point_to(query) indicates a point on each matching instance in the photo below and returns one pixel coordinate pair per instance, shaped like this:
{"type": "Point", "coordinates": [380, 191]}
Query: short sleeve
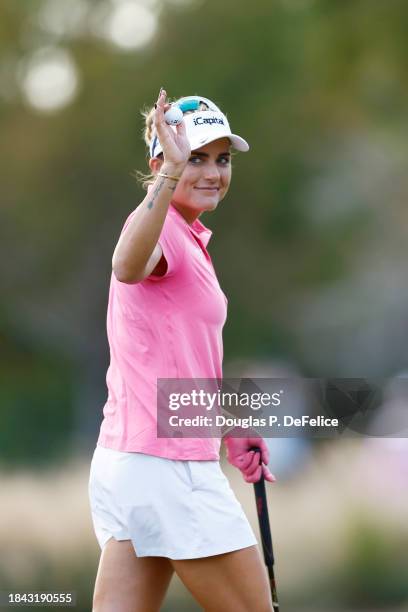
{"type": "Point", "coordinates": [172, 242]}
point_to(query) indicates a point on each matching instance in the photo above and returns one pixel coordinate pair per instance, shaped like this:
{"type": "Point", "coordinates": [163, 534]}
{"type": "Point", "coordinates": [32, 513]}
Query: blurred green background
{"type": "Point", "coordinates": [309, 246]}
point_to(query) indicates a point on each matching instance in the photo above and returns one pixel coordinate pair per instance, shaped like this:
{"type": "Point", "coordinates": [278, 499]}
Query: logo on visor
{"type": "Point", "coordinates": [209, 120]}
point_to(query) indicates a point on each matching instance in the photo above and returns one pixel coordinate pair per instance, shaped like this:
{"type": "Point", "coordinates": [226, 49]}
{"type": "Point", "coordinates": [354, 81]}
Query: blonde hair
{"type": "Point", "coordinates": [148, 132]}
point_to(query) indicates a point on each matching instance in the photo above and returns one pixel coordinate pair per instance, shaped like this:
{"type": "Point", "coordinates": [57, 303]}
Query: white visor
{"type": "Point", "coordinates": [202, 127]}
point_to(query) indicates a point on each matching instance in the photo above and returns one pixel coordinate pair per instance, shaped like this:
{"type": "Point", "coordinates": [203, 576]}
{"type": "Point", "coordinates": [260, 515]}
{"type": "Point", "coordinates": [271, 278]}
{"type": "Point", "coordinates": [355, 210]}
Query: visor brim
{"type": "Point", "coordinates": [237, 142]}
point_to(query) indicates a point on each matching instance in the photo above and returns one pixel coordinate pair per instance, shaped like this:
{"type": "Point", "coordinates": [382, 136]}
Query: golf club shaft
{"type": "Point", "coordinates": [265, 531]}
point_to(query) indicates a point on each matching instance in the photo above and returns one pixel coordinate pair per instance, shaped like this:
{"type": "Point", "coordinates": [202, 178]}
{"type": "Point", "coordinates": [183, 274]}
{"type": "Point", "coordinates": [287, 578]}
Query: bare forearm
{"type": "Point", "coordinates": [137, 243]}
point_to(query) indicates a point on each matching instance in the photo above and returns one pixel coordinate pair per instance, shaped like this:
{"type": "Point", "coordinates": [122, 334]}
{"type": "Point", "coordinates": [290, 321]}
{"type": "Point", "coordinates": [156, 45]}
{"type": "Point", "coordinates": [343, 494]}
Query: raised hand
{"type": "Point", "coordinates": [174, 141]}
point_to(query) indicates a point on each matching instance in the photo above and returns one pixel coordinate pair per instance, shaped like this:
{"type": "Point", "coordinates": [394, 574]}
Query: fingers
{"type": "Point", "coordinates": [253, 476]}
{"type": "Point", "coordinates": [254, 471]}
{"type": "Point", "coordinates": [252, 463]}
{"type": "Point", "coordinates": [181, 129]}
{"type": "Point", "coordinates": [249, 461]}
{"type": "Point", "coordinates": [263, 447]}
{"type": "Point", "coordinates": [173, 139]}
{"type": "Point", "coordinates": [160, 107]}
{"type": "Point", "coordinates": [267, 474]}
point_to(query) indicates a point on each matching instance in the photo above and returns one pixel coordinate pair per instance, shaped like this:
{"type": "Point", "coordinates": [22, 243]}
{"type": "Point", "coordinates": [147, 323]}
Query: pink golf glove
{"type": "Point", "coordinates": [240, 456]}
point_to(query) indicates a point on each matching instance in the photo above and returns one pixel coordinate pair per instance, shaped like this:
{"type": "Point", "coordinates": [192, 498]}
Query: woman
{"type": "Point", "coordinates": [163, 505]}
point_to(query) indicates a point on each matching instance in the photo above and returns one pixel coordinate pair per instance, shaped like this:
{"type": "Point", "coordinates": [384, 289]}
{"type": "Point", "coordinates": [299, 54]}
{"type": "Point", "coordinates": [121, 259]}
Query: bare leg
{"type": "Point", "coordinates": [126, 583]}
{"type": "Point", "coordinates": [232, 582]}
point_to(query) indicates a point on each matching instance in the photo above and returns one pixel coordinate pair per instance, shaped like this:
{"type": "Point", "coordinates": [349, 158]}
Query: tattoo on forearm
{"type": "Point", "coordinates": [155, 193]}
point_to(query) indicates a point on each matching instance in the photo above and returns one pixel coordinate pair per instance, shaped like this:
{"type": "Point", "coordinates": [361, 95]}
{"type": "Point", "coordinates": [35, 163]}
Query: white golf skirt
{"type": "Point", "coordinates": [167, 508]}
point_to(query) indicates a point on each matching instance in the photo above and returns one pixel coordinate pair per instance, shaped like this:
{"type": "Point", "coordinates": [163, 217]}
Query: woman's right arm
{"type": "Point", "coordinates": [138, 253]}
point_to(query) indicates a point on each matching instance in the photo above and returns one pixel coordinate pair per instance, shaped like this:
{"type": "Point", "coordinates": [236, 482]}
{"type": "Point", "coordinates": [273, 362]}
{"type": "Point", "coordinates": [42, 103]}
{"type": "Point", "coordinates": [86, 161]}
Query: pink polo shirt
{"type": "Point", "coordinates": [163, 327]}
